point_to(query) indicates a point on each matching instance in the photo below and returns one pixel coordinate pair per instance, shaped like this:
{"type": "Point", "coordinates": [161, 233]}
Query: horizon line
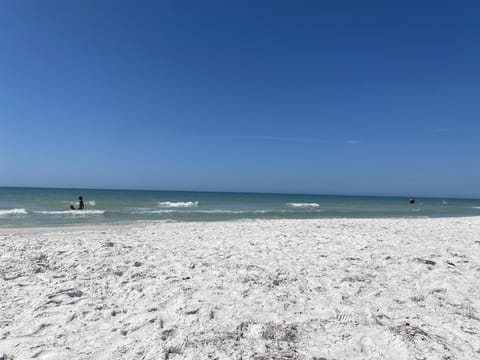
{"type": "Point", "coordinates": [242, 192]}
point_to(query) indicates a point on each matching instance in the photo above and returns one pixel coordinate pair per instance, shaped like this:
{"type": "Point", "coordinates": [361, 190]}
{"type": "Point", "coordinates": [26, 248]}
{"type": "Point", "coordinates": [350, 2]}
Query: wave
{"type": "Point", "coordinates": [216, 211]}
{"type": "Point", "coordinates": [220, 211]}
{"type": "Point", "coordinates": [8, 212]}
{"type": "Point", "coordinates": [71, 212]}
{"type": "Point", "coordinates": [149, 211]}
{"type": "Point", "coordinates": [178, 204]}
{"type": "Point", "coordinates": [303, 205]}
{"type": "Point", "coordinates": [89, 202]}
{"type": "Point", "coordinates": [476, 207]}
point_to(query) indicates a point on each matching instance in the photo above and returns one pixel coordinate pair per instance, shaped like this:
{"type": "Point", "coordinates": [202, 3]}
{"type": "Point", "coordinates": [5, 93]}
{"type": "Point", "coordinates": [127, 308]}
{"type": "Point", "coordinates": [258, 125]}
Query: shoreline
{"type": "Point", "coordinates": [140, 223]}
{"type": "Point", "coordinates": [258, 289]}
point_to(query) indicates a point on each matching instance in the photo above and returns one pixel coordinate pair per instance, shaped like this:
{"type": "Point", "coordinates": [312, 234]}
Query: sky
{"type": "Point", "coordinates": [326, 97]}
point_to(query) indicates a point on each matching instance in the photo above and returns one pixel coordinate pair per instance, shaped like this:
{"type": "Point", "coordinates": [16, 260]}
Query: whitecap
{"type": "Point", "coordinates": [220, 211]}
{"type": "Point", "coordinates": [213, 211]}
{"type": "Point", "coordinates": [89, 202]}
{"type": "Point", "coordinates": [476, 207]}
{"type": "Point", "coordinates": [154, 211]}
{"type": "Point", "coordinates": [178, 204]}
{"type": "Point", "coordinates": [300, 205]}
{"type": "Point", "coordinates": [217, 211]}
{"type": "Point", "coordinates": [71, 212]}
{"type": "Point", "coordinates": [7, 212]}
{"type": "Point", "coordinates": [246, 212]}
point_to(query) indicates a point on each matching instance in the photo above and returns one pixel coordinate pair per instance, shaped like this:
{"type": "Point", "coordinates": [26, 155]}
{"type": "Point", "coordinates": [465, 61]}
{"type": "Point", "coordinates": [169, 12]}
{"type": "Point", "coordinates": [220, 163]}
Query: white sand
{"type": "Point", "coordinates": [280, 289]}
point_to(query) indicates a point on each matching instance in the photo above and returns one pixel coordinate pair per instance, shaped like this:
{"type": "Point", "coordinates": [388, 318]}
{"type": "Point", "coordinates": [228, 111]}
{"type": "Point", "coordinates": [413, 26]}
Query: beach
{"type": "Point", "coordinates": [395, 288]}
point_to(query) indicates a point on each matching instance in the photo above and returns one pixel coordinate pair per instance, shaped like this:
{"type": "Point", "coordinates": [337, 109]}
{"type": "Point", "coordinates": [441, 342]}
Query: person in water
{"type": "Point", "coordinates": [81, 205]}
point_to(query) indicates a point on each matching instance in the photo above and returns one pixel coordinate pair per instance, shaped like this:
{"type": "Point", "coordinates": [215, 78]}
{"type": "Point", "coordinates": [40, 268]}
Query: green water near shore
{"type": "Point", "coordinates": [50, 207]}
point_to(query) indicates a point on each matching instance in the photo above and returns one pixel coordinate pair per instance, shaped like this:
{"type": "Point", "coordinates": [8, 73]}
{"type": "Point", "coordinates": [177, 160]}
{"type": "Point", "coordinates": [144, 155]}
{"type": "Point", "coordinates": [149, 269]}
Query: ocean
{"type": "Point", "coordinates": [28, 207]}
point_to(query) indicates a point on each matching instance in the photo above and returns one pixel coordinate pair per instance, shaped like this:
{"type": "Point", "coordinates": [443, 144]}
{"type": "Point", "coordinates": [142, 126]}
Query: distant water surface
{"type": "Point", "coordinates": [26, 207]}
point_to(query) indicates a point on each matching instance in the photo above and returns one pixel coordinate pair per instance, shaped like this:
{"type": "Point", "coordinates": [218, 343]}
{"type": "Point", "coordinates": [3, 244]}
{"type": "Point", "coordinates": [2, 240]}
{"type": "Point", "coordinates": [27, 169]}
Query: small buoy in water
{"type": "Point", "coordinates": [412, 201]}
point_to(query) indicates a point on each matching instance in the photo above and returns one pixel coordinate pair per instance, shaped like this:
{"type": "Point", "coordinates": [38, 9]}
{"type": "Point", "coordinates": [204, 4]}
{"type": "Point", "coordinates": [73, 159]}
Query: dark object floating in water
{"type": "Point", "coordinates": [412, 201]}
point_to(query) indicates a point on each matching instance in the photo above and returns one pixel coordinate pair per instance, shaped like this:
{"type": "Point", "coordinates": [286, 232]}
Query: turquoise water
{"type": "Point", "coordinates": [23, 207]}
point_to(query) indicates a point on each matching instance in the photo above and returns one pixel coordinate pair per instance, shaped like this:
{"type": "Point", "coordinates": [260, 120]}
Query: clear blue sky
{"type": "Point", "coordinates": [336, 97]}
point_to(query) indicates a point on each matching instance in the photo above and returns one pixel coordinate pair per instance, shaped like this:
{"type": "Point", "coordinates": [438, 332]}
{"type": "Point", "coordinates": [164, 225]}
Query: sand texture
{"type": "Point", "coordinates": [266, 289]}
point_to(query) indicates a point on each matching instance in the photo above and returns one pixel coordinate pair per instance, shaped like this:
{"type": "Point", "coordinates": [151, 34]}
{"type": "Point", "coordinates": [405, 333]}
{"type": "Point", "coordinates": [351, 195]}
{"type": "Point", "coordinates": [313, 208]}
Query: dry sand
{"type": "Point", "coordinates": [278, 289]}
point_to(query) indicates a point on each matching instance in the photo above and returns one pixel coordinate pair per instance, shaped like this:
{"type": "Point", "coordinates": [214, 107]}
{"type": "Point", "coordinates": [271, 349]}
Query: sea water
{"type": "Point", "coordinates": [26, 207]}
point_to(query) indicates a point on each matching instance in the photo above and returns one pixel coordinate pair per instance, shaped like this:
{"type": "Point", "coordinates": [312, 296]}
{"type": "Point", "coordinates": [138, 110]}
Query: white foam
{"type": "Point", "coordinates": [71, 212]}
{"type": "Point", "coordinates": [178, 204]}
{"type": "Point", "coordinates": [476, 207]}
{"type": "Point", "coordinates": [303, 204]}
{"type": "Point", "coordinates": [213, 211]}
{"type": "Point", "coordinates": [13, 212]}
{"type": "Point", "coordinates": [217, 211]}
{"type": "Point", "coordinates": [90, 202]}
{"type": "Point", "coordinates": [153, 211]}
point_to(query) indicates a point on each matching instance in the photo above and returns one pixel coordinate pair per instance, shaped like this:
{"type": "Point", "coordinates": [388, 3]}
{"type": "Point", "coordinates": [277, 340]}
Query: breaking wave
{"type": "Point", "coordinates": [215, 211]}
{"type": "Point", "coordinates": [8, 212]}
{"type": "Point", "coordinates": [304, 205]}
{"type": "Point", "coordinates": [89, 202]}
{"type": "Point", "coordinates": [178, 204]}
{"type": "Point", "coordinates": [71, 212]}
